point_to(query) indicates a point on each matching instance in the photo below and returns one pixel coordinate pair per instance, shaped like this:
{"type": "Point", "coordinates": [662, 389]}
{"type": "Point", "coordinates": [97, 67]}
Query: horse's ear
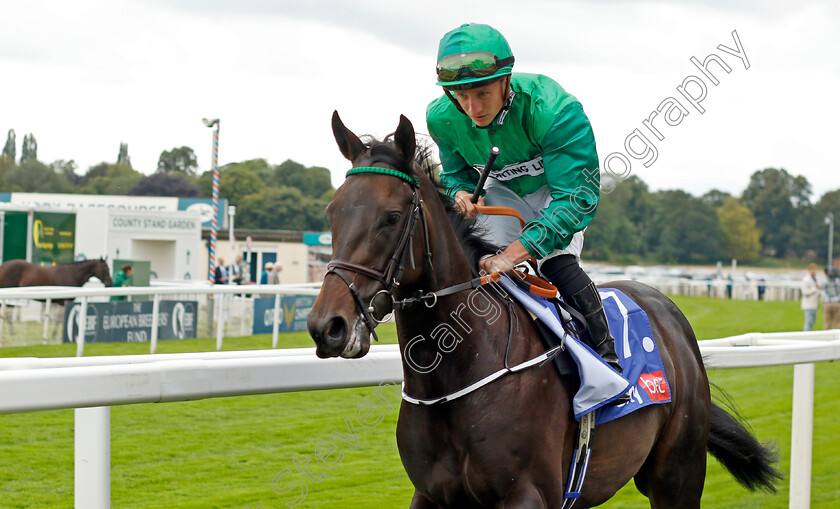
{"type": "Point", "coordinates": [349, 144]}
{"type": "Point", "coordinates": [404, 139]}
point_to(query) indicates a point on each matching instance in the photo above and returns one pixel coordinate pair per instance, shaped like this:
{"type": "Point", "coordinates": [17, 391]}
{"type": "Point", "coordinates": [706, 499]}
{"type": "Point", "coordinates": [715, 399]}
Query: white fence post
{"type": "Point", "coordinates": [275, 326]}
{"type": "Point", "coordinates": [242, 313]}
{"type": "Point", "coordinates": [802, 430]}
{"type": "Point", "coordinates": [220, 320]}
{"type": "Point", "coordinates": [155, 317]}
{"type": "Point", "coordinates": [2, 320]}
{"type": "Point", "coordinates": [82, 317]}
{"type": "Point", "coordinates": [93, 457]}
{"type": "Point", "coordinates": [46, 318]}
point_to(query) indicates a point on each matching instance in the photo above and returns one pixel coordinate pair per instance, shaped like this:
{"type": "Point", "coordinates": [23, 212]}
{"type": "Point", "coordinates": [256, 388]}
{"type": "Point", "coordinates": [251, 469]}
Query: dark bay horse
{"type": "Point", "coordinates": [22, 273]}
{"type": "Point", "coordinates": [396, 244]}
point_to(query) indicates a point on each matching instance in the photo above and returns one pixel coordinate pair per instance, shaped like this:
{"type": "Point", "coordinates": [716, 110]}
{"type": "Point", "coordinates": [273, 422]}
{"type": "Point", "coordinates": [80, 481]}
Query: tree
{"type": "Point", "coordinates": [68, 170]}
{"type": "Point", "coordinates": [620, 225]}
{"type": "Point", "coordinates": [715, 198]}
{"type": "Point", "coordinates": [123, 158]}
{"type": "Point", "coordinates": [281, 208]}
{"type": "Point", "coordinates": [178, 160]}
{"type": "Point", "coordinates": [776, 199]}
{"type": "Point", "coordinates": [29, 152]}
{"type": "Point", "coordinates": [9, 149]}
{"type": "Point", "coordinates": [259, 167]}
{"type": "Point", "coordinates": [161, 184]}
{"type": "Point", "coordinates": [33, 176]}
{"type": "Point", "coordinates": [238, 181]}
{"type": "Point", "coordinates": [6, 166]}
{"type": "Point", "coordinates": [742, 238]}
{"type": "Point", "coordinates": [684, 229]}
{"type": "Point", "coordinates": [205, 184]}
{"type": "Point", "coordinates": [107, 178]}
{"type": "Point", "coordinates": [829, 202]}
{"type": "Point", "coordinates": [313, 181]}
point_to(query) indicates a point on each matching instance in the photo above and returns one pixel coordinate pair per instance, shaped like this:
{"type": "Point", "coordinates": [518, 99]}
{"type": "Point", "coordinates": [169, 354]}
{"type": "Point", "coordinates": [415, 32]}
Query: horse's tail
{"type": "Point", "coordinates": [750, 462]}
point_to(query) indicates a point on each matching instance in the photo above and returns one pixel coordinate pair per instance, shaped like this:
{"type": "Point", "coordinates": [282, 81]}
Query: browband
{"type": "Point", "coordinates": [414, 181]}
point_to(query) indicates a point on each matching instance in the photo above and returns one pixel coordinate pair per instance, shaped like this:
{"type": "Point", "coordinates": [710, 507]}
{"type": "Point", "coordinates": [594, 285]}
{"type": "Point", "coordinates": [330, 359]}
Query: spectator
{"type": "Point", "coordinates": [221, 274]}
{"type": "Point", "coordinates": [810, 296]}
{"type": "Point", "coordinates": [274, 275]}
{"type": "Point", "coordinates": [831, 307]}
{"type": "Point", "coordinates": [269, 268]}
{"type": "Point", "coordinates": [123, 278]}
{"type": "Point", "coordinates": [241, 271]}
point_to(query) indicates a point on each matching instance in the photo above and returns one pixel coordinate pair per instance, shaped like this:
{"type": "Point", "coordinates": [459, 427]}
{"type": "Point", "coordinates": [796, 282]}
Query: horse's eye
{"type": "Point", "coordinates": [393, 218]}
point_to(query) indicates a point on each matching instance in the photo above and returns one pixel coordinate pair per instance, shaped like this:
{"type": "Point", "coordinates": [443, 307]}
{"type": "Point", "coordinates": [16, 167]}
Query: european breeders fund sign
{"type": "Point", "coordinates": [131, 322]}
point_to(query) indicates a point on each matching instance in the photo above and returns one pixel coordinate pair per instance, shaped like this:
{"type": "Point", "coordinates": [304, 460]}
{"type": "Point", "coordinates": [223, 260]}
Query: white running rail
{"type": "Point", "coordinates": [92, 384]}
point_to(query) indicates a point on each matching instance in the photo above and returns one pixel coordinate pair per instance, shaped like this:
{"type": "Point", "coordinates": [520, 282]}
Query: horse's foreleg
{"type": "Point", "coordinates": [524, 497]}
{"type": "Point", "coordinates": [418, 501]}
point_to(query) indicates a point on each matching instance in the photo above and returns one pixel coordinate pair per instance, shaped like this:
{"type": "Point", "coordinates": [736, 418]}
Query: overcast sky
{"type": "Point", "coordinates": [85, 75]}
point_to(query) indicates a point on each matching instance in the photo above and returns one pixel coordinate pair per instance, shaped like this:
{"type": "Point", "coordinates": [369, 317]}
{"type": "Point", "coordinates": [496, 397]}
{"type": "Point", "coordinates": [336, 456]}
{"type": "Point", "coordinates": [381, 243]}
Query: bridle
{"type": "Point", "coordinates": [390, 277]}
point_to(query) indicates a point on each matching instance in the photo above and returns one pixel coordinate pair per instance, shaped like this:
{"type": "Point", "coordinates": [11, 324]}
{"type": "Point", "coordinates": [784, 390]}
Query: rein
{"type": "Point", "coordinates": [390, 277]}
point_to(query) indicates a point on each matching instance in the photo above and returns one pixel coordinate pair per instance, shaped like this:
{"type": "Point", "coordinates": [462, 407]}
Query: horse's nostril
{"type": "Point", "coordinates": [336, 330]}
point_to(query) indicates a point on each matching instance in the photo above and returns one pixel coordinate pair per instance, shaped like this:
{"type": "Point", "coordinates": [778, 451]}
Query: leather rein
{"type": "Point", "coordinates": [390, 277]}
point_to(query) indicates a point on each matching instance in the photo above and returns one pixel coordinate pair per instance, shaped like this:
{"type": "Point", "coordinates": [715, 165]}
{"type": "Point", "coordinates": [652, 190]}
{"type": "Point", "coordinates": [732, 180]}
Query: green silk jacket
{"type": "Point", "coordinates": [545, 140]}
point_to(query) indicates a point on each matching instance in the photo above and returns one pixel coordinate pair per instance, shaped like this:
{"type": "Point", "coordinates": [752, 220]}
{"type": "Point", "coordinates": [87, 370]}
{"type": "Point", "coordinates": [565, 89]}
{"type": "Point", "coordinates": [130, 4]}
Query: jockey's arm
{"type": "Point", "coordinates": [571, 168]}
{"type": "Point", "coordinates": [505, 261]}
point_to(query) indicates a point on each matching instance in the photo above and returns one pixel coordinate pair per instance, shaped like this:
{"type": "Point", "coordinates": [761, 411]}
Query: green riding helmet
{"type": "Point", "coordinates": [472, 53]}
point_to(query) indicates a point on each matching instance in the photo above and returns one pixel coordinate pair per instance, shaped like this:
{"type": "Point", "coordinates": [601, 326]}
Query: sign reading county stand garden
{"type": "Point", "coordinates": [131, 322]}
{"type": "Point", "coordinates": [294, 309]}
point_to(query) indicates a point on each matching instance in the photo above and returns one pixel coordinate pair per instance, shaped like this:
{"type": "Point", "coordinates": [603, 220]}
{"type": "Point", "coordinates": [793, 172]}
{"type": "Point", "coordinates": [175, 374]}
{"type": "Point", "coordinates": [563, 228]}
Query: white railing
{"type": "Point", "coordinates": [91, 385]}
{"type": "Point", "coordinates": [85, 295]}
{"type": "Point", "coordinates": [719, 288]}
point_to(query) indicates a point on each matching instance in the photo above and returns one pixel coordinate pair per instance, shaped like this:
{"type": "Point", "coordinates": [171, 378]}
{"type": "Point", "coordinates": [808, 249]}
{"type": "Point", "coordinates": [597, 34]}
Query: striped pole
{"type": "Point", "coordinates": [215, 224]}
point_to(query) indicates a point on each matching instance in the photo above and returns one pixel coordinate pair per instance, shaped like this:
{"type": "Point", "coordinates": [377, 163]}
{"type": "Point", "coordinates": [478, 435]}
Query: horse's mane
{"type": "Point", "coordinates": [97, 260]}
{"type": "Point", "coordinates": [468, 231]}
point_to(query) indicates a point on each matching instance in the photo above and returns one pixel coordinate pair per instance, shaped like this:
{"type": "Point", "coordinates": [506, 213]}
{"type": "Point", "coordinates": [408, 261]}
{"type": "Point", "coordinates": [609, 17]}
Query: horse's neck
{"type": "Point", "coordinates": [82, 271]}
{"type": "Point", "coordinates": [463, 337]}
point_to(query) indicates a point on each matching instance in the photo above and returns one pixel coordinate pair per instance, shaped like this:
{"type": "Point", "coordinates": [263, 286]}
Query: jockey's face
{"type": "Point", "coordinates": [482, 104]}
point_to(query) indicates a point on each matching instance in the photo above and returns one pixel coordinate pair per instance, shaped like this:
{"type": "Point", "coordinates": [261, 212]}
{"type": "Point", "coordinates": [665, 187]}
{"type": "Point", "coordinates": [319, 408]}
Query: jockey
{"type": "Point", "coordinates": [547, 170]}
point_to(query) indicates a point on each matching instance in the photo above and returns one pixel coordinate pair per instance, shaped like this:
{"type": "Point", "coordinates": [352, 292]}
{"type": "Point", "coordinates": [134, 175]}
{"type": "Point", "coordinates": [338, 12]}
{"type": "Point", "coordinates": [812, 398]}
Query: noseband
{"type": "Point", "coordinates": [390, 277]}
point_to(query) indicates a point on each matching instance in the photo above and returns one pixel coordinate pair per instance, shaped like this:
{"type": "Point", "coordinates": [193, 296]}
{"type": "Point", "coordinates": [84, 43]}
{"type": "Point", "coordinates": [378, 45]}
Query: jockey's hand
{"type": "Point", "coordinates": [505, 261]}
{"type": "Point", "coordinates": [464, 204]}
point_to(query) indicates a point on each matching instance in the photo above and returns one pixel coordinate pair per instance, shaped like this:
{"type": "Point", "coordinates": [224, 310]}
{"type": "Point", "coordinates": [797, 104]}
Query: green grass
{"type": "Point", "coordinates": [225, 452]}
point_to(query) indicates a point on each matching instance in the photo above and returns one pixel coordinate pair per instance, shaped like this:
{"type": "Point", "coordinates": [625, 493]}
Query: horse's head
{"type": "Point", "coordinates": [372, 217]}
{"type": "Point", "coordinates": [100, 270]}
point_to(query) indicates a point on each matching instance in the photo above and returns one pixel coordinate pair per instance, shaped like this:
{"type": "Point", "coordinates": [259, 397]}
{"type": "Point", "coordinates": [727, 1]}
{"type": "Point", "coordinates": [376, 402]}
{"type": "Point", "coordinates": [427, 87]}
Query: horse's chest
{"type": "Point", "coordinates": [460, 469]}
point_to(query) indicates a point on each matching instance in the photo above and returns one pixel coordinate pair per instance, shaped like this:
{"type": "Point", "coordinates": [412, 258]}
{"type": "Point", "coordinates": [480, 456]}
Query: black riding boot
{"type": "Point", "coordinates": [579, 291]}
{"type": "Point", "coordinates": [597, 334]}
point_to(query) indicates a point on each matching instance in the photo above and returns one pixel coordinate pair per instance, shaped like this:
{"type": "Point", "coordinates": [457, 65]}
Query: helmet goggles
{"type": "Point", "coordinates": [473, 64]}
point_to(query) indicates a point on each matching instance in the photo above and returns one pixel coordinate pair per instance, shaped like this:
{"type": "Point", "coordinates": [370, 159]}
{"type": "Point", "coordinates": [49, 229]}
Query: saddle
{"type": "Point", "coordinates": [599, 384]}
